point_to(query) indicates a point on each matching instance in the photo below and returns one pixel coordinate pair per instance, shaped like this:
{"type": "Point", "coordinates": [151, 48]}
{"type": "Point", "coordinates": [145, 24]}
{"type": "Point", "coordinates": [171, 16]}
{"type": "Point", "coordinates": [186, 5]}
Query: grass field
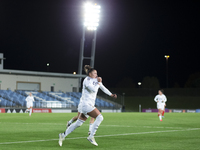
{"type": "Point", "coordinates": [118, 131]}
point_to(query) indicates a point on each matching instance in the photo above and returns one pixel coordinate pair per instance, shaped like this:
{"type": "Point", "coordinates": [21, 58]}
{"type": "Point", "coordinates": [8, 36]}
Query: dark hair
{"type": "Point", "coordinates": [88, 69]}
{"type": "Point", "coordinates": [161, 90]}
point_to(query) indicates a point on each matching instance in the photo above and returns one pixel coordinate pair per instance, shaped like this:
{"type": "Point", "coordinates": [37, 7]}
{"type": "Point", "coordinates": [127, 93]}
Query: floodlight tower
{"type": "Point", "coordinates": [167, 57]}
{"type": "Point", "coordinates": [91, 22]}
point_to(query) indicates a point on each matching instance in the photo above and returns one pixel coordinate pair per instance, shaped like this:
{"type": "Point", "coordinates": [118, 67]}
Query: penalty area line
{"type": "Point", "coordinates": [124, 134]}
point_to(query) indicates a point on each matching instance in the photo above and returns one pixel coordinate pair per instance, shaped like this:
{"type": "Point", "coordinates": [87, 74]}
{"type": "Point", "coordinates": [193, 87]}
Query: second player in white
{"type": "Point", "coordinates": [161, 103]}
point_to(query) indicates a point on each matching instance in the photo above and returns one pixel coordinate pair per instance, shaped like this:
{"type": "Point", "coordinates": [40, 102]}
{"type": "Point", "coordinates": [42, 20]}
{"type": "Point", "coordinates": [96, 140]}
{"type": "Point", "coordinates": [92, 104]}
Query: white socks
{"type": "Point", "coordinates": [90, 127]}
{"type": "Point", "coordinates": [71, 121]}
{"type": "Point", "coordinates": [96, 124]}
{"type": "Point", "coordinates": [71, 128]}
{"type": "Point", "coordinates": [30, 112]}
{"type": "Point", "coordinates": [160, 117]}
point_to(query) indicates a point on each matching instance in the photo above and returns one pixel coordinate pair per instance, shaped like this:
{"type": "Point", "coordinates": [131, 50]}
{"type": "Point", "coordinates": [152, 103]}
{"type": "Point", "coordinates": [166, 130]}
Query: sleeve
{"type": "Point", "coordinates": [165, 99]}
{"type": "Point", "coordinates": [155, 99]}
{"type": "Point", "coordinates": [88, 85]}
{"type": "Point", "coordinates": [26, 99]}
{"type": "Point", "coordinates": [33, 99]}
{"type": "Point", "coordinates": [105, 90]}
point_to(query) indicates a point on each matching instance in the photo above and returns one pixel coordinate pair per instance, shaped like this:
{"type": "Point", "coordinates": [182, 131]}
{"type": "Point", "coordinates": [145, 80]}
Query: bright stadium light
{"type": "Point", "coordinates": [91, 16]}
{"type": "Point", "coordinates": [166, 56]}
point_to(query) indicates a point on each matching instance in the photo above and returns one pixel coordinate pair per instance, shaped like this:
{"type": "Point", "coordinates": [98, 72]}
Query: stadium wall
{"type": "Point", "coordinates": [59, 83]}
{"type": "Point", "coordinates": [52, 110]}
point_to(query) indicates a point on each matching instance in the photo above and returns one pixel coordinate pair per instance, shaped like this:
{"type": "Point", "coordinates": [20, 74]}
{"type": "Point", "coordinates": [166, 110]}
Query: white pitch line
{"type": "Point", "coordinates": [123, 126]}
{"type": "Point", "coordinates": [124, 134]}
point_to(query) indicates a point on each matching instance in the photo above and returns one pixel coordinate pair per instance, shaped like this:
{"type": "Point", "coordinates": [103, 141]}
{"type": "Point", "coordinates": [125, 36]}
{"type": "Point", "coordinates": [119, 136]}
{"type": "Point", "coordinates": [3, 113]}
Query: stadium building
{"type": "Point", "coordinates": [50, 90]}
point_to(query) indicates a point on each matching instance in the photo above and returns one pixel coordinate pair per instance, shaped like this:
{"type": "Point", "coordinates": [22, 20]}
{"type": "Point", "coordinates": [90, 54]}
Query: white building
{"type": "Point", "coordinates": [33, 80]}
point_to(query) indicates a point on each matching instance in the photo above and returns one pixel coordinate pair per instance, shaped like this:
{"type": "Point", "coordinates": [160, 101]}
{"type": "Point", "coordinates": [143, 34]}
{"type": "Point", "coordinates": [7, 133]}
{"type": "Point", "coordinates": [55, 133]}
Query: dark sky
{"type": "Point", "coordinates": [132, 38]}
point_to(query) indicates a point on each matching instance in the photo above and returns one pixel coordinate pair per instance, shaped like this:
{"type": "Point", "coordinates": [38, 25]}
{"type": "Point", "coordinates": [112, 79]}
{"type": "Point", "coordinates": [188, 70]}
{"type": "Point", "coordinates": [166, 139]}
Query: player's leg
{"type": "Point", "coordinates": [90, 126]}
{"type": "Point", "coordinates": [163, 112]}
{"type": "Point", "coordinates": [99, 118]}
{"type": "Point", "coordinates": [28, 107]}
{"type": "Point", "coordinates": [160, 114]}
{"type": "Point", "coordinates": [72, 120]}
{"type": "Point", "coordinates": [30, 110]}
{"type": "Point", "coordinates": [82, 118]}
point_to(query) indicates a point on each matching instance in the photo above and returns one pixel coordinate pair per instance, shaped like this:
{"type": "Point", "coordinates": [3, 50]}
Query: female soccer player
{"type": "Point", "coordinates": [91, 84]}
{"type": "Point", "coordinates": [160, 99]}
{"type": "Point", "coordinates": [29, 104]}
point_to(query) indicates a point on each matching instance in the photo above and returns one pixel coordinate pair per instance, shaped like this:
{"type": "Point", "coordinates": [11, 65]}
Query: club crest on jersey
{"type": "Point", "coordinates": [95, 83]}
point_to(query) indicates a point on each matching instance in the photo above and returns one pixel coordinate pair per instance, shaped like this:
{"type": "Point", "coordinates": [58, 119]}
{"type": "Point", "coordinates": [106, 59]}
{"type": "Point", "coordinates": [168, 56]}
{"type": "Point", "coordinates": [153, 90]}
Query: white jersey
{"type": "Point", "coordinates": [160, 99]}
{"type": "Point", "coordinates": [30, 99]}
{"type": "Point", "coordinates": [90, 89]}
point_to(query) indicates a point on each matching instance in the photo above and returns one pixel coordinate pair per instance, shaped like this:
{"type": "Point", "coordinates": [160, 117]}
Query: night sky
{"type": "Point", "coordinates": [132, 38]}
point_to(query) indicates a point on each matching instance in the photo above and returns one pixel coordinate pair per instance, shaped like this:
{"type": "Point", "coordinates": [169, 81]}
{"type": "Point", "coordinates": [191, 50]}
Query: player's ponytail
{"type": "Point", "coordinates": [88, 69]}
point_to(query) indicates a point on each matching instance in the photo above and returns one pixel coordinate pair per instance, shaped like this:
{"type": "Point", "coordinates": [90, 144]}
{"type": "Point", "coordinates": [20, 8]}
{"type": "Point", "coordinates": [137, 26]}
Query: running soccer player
{"type": "Point", "coordinates": [161, 102]}
{"type": "Point", "coordinates": [91, 84]}
{"type": "Point", "coordinates": [29, 104]}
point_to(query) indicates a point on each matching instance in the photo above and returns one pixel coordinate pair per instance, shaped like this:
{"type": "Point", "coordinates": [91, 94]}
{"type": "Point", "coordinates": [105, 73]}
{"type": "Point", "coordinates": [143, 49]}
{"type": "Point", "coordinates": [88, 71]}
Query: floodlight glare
{"type": "Point", "coordinates": [166, 56]}
{"type": "Point", "coordinates": [91, 16]}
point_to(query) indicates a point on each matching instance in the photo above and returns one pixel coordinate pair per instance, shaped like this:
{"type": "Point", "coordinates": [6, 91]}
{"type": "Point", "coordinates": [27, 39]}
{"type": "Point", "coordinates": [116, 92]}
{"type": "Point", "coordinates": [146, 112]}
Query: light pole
{"type": "Point", "coordinates": [91, 22]}
{"type": "Point", "coordinates": [167, 57]}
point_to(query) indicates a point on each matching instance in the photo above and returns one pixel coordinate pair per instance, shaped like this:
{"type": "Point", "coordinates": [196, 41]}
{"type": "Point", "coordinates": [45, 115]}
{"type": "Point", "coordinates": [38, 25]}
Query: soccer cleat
{"type": "Point", "coordinates": [68, 124]}
{"type": "Point", "coordinates": [92, 140]}
{"type": "Point", "coordinates": [163, 117]}
{"type": "Point", "coordinates": [61, 139]}
{"type": "Point", "coordinates": [160, 120]}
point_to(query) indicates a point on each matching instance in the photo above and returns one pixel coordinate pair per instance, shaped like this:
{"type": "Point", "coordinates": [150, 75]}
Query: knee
{"type": "Point", "coordinates": [100, 117]}
{"type": "Point", "coordinates": [79, 123]}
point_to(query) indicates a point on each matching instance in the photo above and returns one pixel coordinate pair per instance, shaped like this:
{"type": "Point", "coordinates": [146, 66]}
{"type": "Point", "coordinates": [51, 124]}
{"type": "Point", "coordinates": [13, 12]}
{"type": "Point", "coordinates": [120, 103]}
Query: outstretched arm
{"type": "Point", "coordinates": [106, 91]}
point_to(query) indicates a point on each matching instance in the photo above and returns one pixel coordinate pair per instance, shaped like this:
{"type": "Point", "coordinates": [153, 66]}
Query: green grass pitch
{"type": "Point", "coordinates": [118, 131]}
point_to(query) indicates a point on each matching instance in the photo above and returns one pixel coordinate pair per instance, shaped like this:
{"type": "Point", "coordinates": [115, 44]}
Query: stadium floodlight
{"type": "Point", "coordinates": [166, 56]}
{"type": "Point", "coordinates": [47, 64]}
{"type": "Point", "coordinates": [74, 72]}
{"type": "Point", "coordinates": [91, 16]}
{"type": "Point", "coordinates": [139, 83]}
{"type": "Point", "coordinates": [91, 22]}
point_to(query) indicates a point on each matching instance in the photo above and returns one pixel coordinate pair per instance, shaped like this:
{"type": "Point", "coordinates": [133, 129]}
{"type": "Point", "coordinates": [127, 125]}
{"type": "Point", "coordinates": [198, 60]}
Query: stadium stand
{"type": "Point", "coordinates": [9, 98]}
{"type": "Point", "coordinates": [12, 99]}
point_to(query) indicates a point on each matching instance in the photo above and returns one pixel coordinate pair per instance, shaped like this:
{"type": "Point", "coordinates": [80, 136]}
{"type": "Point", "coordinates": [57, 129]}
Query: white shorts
{"type": "Point", "coordinates": [161, 106]}
{"type": "Point", "coordinates": [29, 105]}
{"type": "Point", "coordinates": [86, 108]}
{"type": "Point", "coordinates": [79, 107]}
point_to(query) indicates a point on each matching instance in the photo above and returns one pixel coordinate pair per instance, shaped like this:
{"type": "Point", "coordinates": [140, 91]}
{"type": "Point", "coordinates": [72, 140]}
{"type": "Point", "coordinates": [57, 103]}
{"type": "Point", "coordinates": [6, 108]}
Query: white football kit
{"type": "Point", "coordinates": [30, 100]}
{"type": "Point", "coordinates": [89, 93]}
{"type": "Point", "coordinates": [160, 99]}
